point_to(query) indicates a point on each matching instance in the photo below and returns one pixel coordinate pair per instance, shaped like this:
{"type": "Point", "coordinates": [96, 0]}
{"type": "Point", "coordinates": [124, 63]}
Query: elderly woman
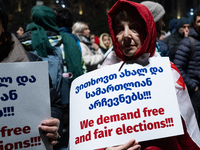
{"type": "Point", "coordinates": [133, 33]}
{"type": "Point", "coordinates": [90, 54]}
{"type": "Point", "coordinates": [36, 43]}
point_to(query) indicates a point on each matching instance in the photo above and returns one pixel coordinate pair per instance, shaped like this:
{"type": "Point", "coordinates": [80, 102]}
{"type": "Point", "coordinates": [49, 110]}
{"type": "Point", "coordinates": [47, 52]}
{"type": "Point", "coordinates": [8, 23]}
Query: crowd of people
{"type": "Point", "coordinates": [72, 50]}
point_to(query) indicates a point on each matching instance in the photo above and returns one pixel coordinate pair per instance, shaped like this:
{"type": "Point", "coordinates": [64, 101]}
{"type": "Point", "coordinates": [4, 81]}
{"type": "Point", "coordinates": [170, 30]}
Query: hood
{"type": "Point", "coordinates": [45, 17]}
{"type": "Point", "coordinates": [101, 40]}
{"type": "Point", "coordinates": [149, 44]}
{"type": "Point", "coordinates": [17, 54]}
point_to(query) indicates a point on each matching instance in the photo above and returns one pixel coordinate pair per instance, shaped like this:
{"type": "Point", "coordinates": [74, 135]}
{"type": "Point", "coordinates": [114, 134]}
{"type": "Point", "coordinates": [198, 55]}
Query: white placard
{"type": "Point", "coordinates": [25, 103]}
{"type": "Point", "coordinates": [109, 107]}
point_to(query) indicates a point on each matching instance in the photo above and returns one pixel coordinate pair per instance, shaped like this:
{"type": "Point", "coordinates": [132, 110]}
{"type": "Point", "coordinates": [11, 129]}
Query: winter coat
{"type": "Point", "coordinates": [163, 48]}
{"type": "Point", "coordinates": [189, 68]}
{"type": "Point", "coordinates": [87, 42]}
{"type": "Point", "coordinates": [173, 42]}
{"type": "Point", "coordinates": [91, 60]}
{"type": "Point", "coordinates": [91, 57]}
{"type": "Point", "coordinates": [190, 139]}
{"type": "Point", "coordinates": [56, 56]}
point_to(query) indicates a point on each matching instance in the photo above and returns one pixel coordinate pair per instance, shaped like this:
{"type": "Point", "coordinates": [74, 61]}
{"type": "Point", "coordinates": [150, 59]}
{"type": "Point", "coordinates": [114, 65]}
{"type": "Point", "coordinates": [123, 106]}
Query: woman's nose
{"type": "Point", "coordinates": [126, 31]}
{"type": "Point", "coordinates": [127, 41]}
{"type": "Point", "coordinates": [127, 37]}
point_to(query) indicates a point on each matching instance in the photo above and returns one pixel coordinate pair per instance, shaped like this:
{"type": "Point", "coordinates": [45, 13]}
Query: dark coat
{"type": "Point", "coordinates": [173, 42]}
{"type": "Point", "coordinates": [164, 50]}
{"type": "Point", "coordinates": [56, 104]}
{"type": "Point", "coordinates": [189, 68]}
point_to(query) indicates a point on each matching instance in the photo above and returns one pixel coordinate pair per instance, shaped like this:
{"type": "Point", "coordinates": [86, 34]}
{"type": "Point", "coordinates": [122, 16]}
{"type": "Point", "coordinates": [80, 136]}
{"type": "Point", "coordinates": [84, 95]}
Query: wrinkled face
{"type": "Point", "coordinates": [20, 31]}
{"type": "Point", "coordinates": [184, 28]}
{"type": "Point", "coordinates": [106, 41]}
{"type": "Point", "coordinates": [197, 24]}
{"type": "Point", "coordinates": [86, 31]}
{"type": "Point", "coordinates": [130, 35]}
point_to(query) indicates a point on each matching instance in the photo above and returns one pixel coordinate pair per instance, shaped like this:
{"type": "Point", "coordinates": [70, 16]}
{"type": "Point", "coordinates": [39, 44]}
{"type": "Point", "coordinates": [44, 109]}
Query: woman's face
{"type": "Point", "coordinates": [130, 35]}
{"type": "Point", "coordinates": [20, 32]}
{"type": "Point", "coordinates": [86, 31]}
{"type": "Point", "coordinates": [106, 41]}
{"type": "Point", "coordinates": [92, 37]}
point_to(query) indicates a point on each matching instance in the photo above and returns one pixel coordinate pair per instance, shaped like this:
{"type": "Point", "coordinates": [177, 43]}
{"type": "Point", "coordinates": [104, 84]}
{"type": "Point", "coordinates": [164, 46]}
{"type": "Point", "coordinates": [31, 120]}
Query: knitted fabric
{"type": "Point", "coordinates": [43, 18]}
{"type": "Point", "coordinates": [172, 25]}
{"type": "Point", "coordinates": [156, 9]}
{"type": "Point", "coordinates": [181, 22]}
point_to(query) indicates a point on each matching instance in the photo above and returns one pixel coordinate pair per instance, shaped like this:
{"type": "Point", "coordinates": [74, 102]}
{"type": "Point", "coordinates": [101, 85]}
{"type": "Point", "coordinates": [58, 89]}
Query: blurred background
{"type": "Point", "coordinates": [94, 12]}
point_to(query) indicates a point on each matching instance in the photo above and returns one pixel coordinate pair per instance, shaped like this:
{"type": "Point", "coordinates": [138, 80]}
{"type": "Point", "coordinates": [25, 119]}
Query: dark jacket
{"type": "Point", "coordinates": [164, 50]}
{"type": "Point", "coordinates": [55, 60]}
{"type": "Point", "coordinates": [189, 69]}
{"type": "Point", "coordinates": [56, 104]}
{"type": "Point", "coordinates": [173, 42]}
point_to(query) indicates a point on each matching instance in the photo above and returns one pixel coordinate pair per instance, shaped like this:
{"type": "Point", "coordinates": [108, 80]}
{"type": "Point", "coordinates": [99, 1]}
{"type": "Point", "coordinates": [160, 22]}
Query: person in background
{"type": "Point", "coordinates": [105, 44]}
{"type": "Point", "coordinates": [188, 62]}
{"type": "Point", "coordinates": [12, 51]}
{"type": "Point", "coordinates": [172, 25]}
{"type": "Point", "coordinates": [90, 51]}
{"type": "Point", "coordinates": [22, 29]}
{"type": "Point", "coordinates": [158, 13]}
{"type": "Point", "coordinates": [65, 22]}
{"type": "Point", "coordinates": [70, 42]}
{"type": "Point", "coordinates": [73, 58]}
{"type": "Point", "coordinates": [133, 33]}
{"type": "Point", "coordinates": [42, 38]}
{"type": "Point", "coordinates": [173, 40]}
{"type": "Point", "coordinates": [92, 38]}
{"type": "Point", "coordinates": [162, 36]}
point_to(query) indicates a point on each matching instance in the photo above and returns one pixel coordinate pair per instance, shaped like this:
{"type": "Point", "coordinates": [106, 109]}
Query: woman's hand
{"type": "Point", "coordinates": [130, 145]}
{"type": "Point", "coordinates": [50, 128]}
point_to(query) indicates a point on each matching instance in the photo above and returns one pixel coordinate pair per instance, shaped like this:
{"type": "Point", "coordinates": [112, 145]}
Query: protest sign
{"type": "Point", "coordinates": [25, 103]}
{"type": "Point", "coordinates": [109, 107]}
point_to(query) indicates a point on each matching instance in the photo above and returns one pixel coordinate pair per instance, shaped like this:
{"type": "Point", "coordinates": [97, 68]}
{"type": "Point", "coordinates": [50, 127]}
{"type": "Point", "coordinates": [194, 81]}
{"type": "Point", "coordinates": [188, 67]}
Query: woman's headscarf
{"type": "Point", "coordinates": [44, 18]}
{"type": "Point", "coordinates": [150, 41]}
{"type": "Point", "coordinates": [101, 40]}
